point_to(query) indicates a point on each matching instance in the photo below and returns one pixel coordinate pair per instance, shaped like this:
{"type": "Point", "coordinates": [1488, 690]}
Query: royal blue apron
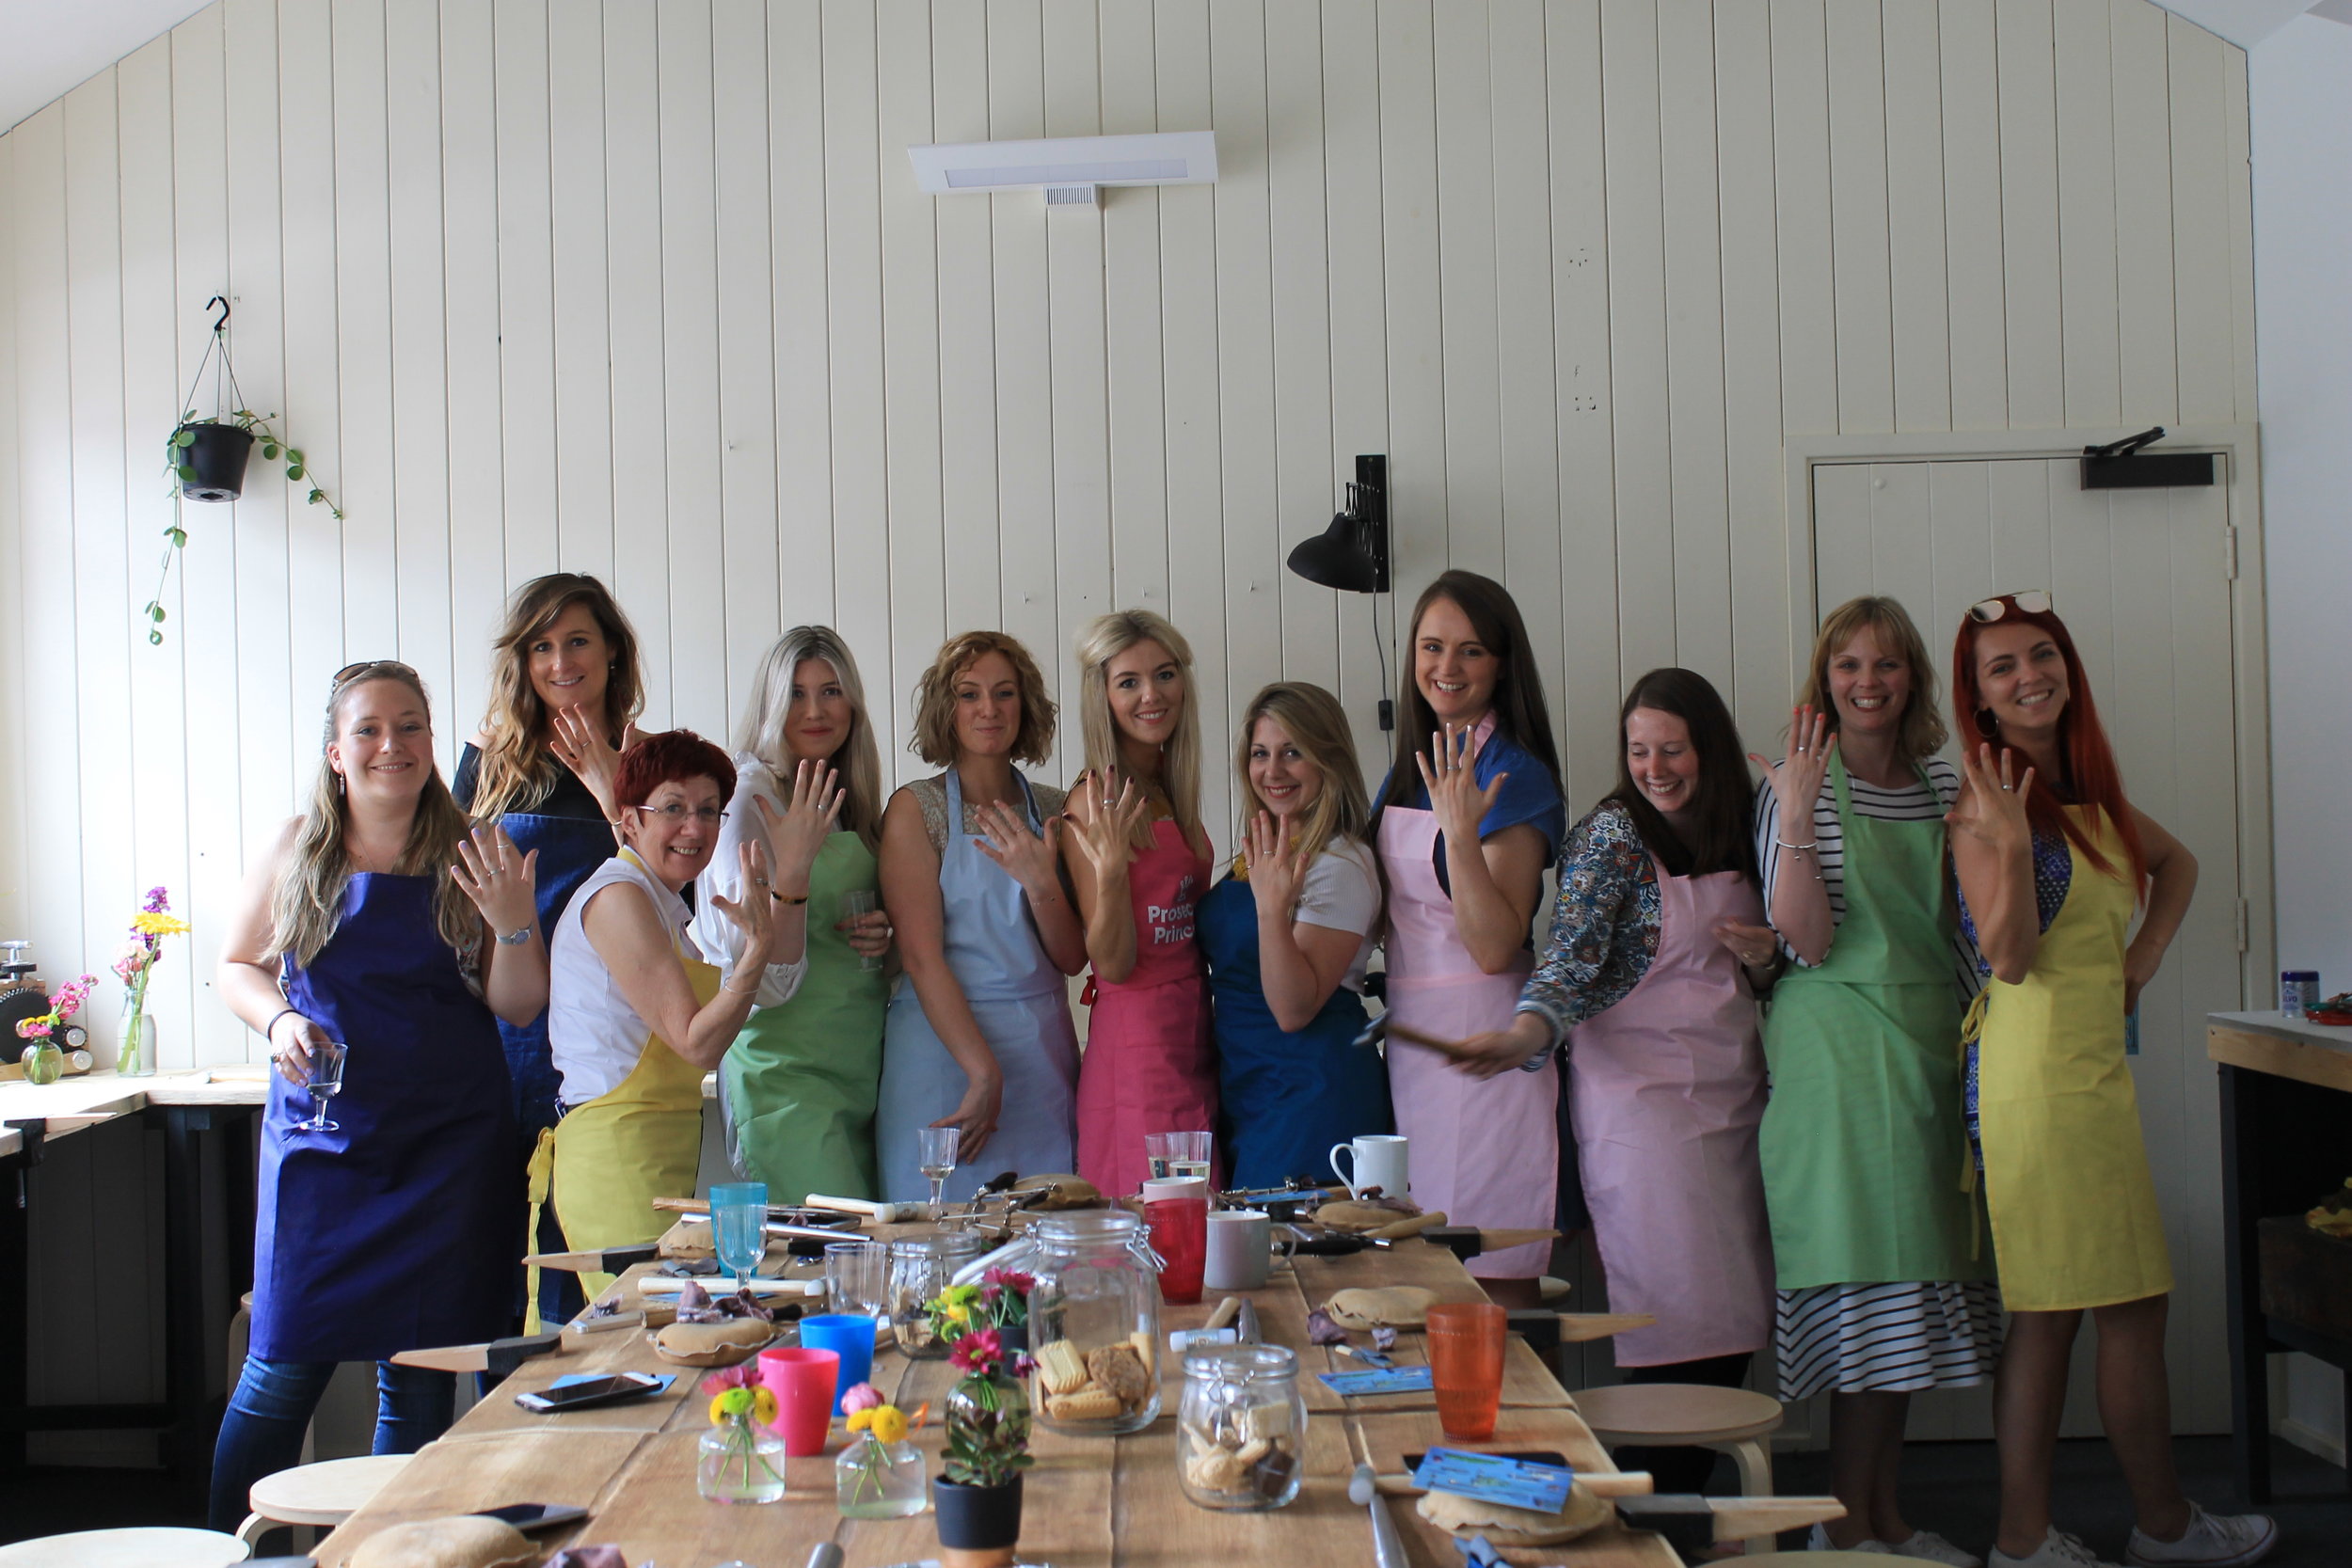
{"type": "Point", "coordinates": [396, 1231]}
{"type": "Point", "coordinates": [569, 848]}
{"type": "Point", "coordinates": [1284, 1099]}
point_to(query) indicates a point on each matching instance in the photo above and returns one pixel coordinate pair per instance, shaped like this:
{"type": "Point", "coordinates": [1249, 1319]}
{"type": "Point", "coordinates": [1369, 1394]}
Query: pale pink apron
{"type": "Point", "coordinates": [1667, 1088]}
{"type": "Point", "coordinates": [1148, 1066]}
{"type": "Point", "coordinates": [1487, 1153]}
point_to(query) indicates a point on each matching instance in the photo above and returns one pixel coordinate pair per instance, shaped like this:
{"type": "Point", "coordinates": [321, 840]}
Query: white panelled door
{"type": "Point", "coordinates": [2143, 580]}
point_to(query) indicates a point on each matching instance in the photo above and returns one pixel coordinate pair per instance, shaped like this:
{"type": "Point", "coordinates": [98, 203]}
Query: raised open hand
{"type": "Point", "coordinates": [1797, 782]}
{"type": "Point", "coordinates": [1991, 807]}
{"type": "Point", "coordinates": [1450, 771]}
{"type": "Point", "coordinates": [755, 916]}
{"type": "Point", "coordinates": [1106, 825]}
{"type": "Point", "coordinates": [580, 744]}
{"type": "Point", "coordinates": [1277, 873]}
{"type": "Point", "coordinates": [1033, 858]}
{"type": "Point", "coordinates": [809, 816]}
{"type": "Point", "coordinates": [499, 878]}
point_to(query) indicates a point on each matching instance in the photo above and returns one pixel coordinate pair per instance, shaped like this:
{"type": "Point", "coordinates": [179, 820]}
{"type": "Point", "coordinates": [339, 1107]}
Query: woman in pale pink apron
{"type": "Point", "coordinates": [1656, 943]}
{"type": "Point", "coordinates": [1464, 833]}
{"type": "Point", "coordinates": [1138, 860]}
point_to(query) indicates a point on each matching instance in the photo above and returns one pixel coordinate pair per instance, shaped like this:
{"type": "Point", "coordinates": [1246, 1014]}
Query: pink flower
{"type": "Point", "coordinates": [862, 1396]}
{"type": "Point", "coordinates": [33, 1029]}
{"type": "Point", "coordinates": [1011, 1279]}
{"type": "Point", "coordinates": [982, 1350]}
{"type": "Point", "coordinates": [744, 1374]}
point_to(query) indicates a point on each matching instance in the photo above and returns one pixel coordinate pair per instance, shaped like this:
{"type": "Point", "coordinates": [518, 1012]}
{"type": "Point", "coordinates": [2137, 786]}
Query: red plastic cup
{"type": "Point", "coordinates": [803, 1381]}
{"type": "Point", "coordinates": [1176, 1212]}
{"type": "Point", "coordinates": [1466, 1366]}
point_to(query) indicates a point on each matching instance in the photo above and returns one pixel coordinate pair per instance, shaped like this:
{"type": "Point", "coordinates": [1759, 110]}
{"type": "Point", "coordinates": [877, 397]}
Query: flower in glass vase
{"type": "Point", "coordinates": [740, 1460]}
{"type": "Point", "coordinates": [880, 1474]}
{"type": "Point", "coordinates": [135, 965]}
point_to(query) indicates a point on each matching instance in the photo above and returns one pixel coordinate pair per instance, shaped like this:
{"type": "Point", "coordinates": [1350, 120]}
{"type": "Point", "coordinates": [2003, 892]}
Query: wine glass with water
{"type": "Point", "coordinates": [326, 1083]}
{"type": "Point", "coordinates": [938, 1156]}
{"type": "Point", "coordinates": [738, 1223]}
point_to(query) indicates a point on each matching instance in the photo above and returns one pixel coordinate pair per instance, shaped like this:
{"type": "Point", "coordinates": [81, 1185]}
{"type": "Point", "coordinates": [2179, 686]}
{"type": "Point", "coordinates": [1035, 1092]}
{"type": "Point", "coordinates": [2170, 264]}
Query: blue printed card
{"type": "Point", "coordinates": [1491, 1478]}
{"type": "Point", "coordinates": [1393, 1380]}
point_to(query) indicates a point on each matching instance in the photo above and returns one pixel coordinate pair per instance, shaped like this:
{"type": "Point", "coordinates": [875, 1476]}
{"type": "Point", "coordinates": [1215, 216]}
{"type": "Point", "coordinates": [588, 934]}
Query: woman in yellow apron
{"type": "Point", "coordinates": [2052, 861]}
{"type": "Point", "coordinates": [635, 1018]}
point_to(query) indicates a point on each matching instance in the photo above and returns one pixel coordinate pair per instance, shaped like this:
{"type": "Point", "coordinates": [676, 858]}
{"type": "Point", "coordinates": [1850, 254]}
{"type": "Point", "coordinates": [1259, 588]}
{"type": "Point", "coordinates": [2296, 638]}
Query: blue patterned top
{"type": "Point", "coordinates": [2053, 875]}
{"type": "Point", "coordinates": [1604, 922]}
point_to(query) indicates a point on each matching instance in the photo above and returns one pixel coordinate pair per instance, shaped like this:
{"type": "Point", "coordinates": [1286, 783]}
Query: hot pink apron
{"type": "Point", "coordinates": [1667, 1088]}
{"type": "Point", "coordinates": [1487, 1153]}
{"type": "Point", "coordinates": [1148, 1066]}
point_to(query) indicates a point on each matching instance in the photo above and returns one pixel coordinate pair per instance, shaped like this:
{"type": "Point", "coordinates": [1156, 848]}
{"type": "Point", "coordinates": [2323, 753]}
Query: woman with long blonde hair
{"type": "Point", "coordinates": [1138, 859]}
{"type": "Point", "coordinates": [377, 923]}
{"type": "Point", "coordinates": [978, 1037]}
{"type": "Point", "coordinates": [1287, 936]}
{"type": "Point", "coordinates": [797, 1090]}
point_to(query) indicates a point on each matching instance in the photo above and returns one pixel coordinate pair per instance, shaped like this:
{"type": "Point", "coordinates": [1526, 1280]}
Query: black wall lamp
{"type": "Point", "coordinates": [1352, 555]}
{"type": "Point", "coordinates": [2126, 465]}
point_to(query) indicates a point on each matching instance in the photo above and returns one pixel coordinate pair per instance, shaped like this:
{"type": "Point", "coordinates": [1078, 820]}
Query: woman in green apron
{"type": "Point", "coordinates": [2052, 861]}
{"type": "Point", "coordinates": [1881, 1292]}
{"type": "Point", "coordinates": [798, 1088]}
{"type": "Point", "coordinates": [635, 1016]}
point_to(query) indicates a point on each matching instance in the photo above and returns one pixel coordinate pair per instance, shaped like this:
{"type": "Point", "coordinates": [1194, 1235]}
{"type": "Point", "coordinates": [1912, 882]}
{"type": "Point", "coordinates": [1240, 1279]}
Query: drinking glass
{"type": "Point", "coordinates": [1159, 1151]}
{"type": "Point", "coordinates": [938, 1156]}
{"type": "Point", "coordinates": [1466, 1366]}
{"type": "Point", "coordinates": [738, 1224]}
{"type": "Point", "coordinates": [857, 1277]}
{"type": "Point", "coordinates": [1189, 1155]}
{"type": "Point", "coordinates": [326, 1082]}
{"type": "Point", "coordinates": [858, 901]}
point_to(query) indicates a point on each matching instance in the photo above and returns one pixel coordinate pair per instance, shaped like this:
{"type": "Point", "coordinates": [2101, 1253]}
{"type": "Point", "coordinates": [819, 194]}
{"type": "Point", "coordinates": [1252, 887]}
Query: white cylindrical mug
{"type": "Point", "coordinates": [1241, 1249]}
{"type": "Point", "coordinates": [1378, 1160]}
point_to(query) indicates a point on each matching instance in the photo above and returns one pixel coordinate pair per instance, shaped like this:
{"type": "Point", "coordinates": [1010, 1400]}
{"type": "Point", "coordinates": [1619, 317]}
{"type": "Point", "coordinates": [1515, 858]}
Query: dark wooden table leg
{"type": "Point", "coordinates": [16, 1348]}
{"type": "Point", "coordinates": [2250, 1339]}
{"type": "Point", "coordinates": [183, 1289]}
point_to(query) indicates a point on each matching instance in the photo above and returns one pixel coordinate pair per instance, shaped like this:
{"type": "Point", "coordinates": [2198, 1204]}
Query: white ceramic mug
{"type": "Point", "coordinates": [1241, 1249]}
{"type": "Point", "coordinates": [1379, 1159]}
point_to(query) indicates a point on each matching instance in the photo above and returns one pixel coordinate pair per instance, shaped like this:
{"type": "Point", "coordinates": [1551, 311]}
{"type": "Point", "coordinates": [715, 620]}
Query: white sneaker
{"type": "Point", "coordinates": [1924, 1544]}
{"type": "Point", "coordinates": [2226, 1542]}
{"type": "Point", "coordinates": [1819, 1542]}
{"type": "Point", "coordinates": [2057, 1550]}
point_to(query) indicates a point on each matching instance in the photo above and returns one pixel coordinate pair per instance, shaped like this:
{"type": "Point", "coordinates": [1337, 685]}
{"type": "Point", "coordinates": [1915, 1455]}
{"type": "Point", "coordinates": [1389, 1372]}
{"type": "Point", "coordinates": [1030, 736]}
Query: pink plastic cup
{"type": "Point", "coordinates": [803, 1381]}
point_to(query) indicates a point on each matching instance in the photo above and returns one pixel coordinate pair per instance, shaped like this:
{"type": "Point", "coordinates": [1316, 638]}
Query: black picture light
{"type": "Point", "coordinates": [1352, 555]}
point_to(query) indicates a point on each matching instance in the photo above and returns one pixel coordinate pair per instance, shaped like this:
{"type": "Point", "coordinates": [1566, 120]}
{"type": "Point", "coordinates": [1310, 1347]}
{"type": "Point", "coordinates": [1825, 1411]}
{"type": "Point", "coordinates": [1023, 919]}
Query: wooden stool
{"type": "Point", "coordinates": [1815, 1559]}
{"type": "Point", "coordinates": [1691, 1415]}
{"type": "Point", "coordinates": [324, 1493]}
{"type": "Point", "coordinates": [147, 1547]}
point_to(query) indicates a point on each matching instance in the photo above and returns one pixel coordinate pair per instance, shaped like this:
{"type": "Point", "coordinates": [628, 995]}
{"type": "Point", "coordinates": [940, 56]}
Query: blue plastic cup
{"type": "Point", "coordinates": [849, 1337]}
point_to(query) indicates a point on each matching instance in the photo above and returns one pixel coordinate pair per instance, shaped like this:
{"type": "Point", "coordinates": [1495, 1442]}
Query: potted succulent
{"type": "Point", "coordinates": [978, 1499]}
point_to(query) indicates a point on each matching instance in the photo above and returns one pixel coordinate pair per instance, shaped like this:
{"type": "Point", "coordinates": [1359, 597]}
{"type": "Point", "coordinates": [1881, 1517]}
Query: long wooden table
{"type": "Point", "coordinates": [1088, 1500]}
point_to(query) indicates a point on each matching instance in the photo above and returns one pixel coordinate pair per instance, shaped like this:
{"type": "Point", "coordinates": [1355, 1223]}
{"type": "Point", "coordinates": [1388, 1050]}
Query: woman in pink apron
{"type": "Point", "coordinates": [1137, 861]}
{"type": "Point", "coordinates": [1464, 833]}
{"type": "Point", "coordinates": [1656, 943]}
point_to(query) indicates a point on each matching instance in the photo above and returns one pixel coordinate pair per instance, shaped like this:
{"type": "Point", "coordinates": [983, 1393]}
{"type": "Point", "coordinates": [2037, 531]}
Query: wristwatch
{"type": "Point", "coordinates": [516, 939]}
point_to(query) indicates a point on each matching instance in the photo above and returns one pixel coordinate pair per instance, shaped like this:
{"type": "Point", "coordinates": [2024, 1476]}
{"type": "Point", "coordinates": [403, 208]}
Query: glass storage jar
{"type": "Point", "coordinates": [1094, 1324]}
{"type": "Point", "coordinates": [920, 1268]}
{"type": "Point", "coordinates": [1241, 1431]}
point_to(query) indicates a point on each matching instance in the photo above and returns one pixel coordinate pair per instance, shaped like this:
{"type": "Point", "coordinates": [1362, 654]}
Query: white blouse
{"type": "Point", "coordinates": [718, 937]}
{"type": "Point", "coordinates": [594, 1034]}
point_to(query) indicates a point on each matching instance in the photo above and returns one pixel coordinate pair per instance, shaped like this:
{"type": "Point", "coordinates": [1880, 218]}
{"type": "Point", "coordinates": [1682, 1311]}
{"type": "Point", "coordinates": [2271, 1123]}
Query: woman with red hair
{"type": "Point", "coordinates": [635, 1015]}
{"type": "Point", "coordinates": [2053, 862]}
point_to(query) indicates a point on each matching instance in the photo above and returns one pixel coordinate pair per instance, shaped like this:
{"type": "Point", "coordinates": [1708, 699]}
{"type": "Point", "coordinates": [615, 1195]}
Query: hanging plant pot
{"type": "Point", "coordinates": [210, 460]}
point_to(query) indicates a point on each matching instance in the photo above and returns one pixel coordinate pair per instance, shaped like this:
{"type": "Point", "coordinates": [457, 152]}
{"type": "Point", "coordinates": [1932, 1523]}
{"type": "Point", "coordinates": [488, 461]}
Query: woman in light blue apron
{"type": "Point", "coordinates": [978, 1035]}
{"type": "Point", "coordinates": [1287, 935]}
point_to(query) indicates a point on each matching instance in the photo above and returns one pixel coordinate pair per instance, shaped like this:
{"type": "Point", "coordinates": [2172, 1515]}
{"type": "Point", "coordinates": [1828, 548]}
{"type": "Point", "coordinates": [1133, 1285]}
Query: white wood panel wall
{"type": "Point", "coordinates": [647, 289]}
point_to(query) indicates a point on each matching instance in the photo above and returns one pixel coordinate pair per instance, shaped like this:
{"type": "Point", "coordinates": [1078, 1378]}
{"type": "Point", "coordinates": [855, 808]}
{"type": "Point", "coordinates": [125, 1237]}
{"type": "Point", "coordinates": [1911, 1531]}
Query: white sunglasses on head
{"type": "Point", "coordinates": [2034, 601]}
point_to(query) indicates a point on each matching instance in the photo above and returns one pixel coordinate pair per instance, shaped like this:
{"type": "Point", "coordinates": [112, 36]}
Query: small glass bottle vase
{"type": "Point", "coordinates": [740, 1463]}
{"type": "Point", "coordinates": [136, 1058]}
{"type": "Point", "coordinates": [874, 1480]}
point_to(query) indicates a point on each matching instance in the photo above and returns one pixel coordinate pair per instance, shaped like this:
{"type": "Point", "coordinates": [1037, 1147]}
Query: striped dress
{"type": "Point", "coordinates": [1908, 1336]}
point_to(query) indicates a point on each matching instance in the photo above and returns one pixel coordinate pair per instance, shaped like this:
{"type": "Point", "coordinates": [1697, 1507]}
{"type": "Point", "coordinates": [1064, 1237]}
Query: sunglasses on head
{"type": "Point", "coordinates": [2034, 601]}
{"type": "Point", "coordinates": [350, 672]}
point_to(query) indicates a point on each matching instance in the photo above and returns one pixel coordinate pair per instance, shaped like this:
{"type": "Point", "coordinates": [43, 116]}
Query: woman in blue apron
{"type": "Point", "coordinates": [1287, 936]}
{"type": "Point", "coordinates": [564, 693]}
{"type": "Point", "coordinates": [978, 1035]}
{"type": "Point", "coordinates": [389, 1230]}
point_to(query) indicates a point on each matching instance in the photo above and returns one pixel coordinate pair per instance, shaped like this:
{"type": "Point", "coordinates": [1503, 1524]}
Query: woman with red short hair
{"type": "Point", "coordinates": [635, 1017]}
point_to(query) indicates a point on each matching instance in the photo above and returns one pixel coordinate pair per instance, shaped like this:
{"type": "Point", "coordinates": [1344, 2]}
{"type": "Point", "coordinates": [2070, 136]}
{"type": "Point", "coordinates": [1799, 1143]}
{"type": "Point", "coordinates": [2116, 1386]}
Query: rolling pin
{"type": "Point", "coordinates": [881, 1214]}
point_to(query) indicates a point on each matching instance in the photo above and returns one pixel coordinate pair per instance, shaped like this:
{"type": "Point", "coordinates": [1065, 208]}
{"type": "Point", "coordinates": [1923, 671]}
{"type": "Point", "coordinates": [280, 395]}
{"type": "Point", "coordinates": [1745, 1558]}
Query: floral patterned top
{"type": "Point", "coordinates": [1604, 922]}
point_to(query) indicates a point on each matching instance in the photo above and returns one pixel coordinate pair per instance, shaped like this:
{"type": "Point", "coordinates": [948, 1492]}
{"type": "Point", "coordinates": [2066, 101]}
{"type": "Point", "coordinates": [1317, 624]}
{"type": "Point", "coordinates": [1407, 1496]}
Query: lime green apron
{"type": "Point", "coordinates": [1865, 1111]}
{"type": "Point", "coordinates": [2066, 1181]}
{"type": "Point", "coordinates": [799, 1083]}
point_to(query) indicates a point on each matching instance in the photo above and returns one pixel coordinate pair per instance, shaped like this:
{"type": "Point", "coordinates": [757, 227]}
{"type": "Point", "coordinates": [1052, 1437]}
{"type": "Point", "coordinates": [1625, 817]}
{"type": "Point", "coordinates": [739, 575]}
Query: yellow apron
{"type": "Point", "coordinates": [2074, 1208]}
{"type": "Point", "coordinates": [609, 1159]}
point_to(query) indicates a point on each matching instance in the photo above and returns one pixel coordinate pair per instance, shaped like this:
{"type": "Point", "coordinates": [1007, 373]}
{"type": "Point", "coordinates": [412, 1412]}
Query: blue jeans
{"type": "Point", "coordinates": [270, 1407]}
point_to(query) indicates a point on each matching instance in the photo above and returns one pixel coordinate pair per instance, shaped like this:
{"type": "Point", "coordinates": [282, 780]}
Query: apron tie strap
{"type": "Point", "coordinates": [1086, 997]}
{"type": "Point", "coordinates": [540, 1178]}
{"type": "Point", "coordinates": [1971, 1032]}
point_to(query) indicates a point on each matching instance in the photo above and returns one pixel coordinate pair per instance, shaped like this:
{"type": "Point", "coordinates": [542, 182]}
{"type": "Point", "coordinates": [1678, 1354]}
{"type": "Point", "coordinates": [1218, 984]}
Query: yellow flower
{"type": "Point", "coordinates": [717, 1409]}
{"type": "Point", "coordinates": [861, 1419]}
{"type": "Point", "coordinates": [889, 1425]}
{"type": "Point", "coordinates": [154, 924]}
{"type": "Point", "coordinates": [763, 1407]}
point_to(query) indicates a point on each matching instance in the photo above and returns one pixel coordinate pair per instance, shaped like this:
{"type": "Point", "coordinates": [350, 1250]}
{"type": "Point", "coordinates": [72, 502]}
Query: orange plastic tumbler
{"type": "Point", "coordinates": [1466, 1366]}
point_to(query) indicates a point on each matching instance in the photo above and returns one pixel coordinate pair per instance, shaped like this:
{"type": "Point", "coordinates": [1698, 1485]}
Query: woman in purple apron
{"type": "Point", "coordinates": [1655, 945]}
{"type": "Point", "coordinates": [564, 693]}
{"type": "Point", "coordinates": [1464, 833]}
{"type": "Point", "coordinates": [390, 1230]}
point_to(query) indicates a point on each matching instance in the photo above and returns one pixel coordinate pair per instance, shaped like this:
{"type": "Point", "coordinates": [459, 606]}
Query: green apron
{"type": "Point", "coordinates": [798, 1084]}
{"type": "Point", "coordinates": [1858, 1139]}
